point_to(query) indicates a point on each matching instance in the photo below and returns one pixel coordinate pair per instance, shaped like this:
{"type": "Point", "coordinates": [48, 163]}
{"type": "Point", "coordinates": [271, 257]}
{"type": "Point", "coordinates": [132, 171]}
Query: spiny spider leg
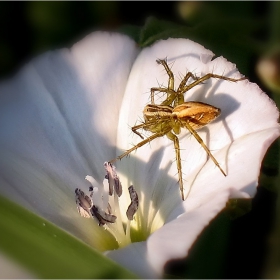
{"type": "Point", "coordinates": [170, 93]}
{"type": "Point", "coordinates": [175, 140]}
{"type": "Point", "coordinates": [200, 141]}
{"type": "Point", "coordinates": [163, 62]}
{"type": "Point", "coordinates": [170, 89]}
{"type": "Point", "coordinates": [142, 125]}
{"type": "Point", "coordinates": [136, 127]}
{"type": "Point", "coordinates": [180, 96]}
{"type": "Point", "coordinates": [185, 79]}
{"type": "Point", "coordinates": [207, 77]}
{"type": "Point", "coordinates": [152, 137]}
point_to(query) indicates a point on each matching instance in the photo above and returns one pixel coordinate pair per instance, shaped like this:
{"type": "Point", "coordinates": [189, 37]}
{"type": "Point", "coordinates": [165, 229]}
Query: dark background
{"type": "Point", "coordinates": [30, 28]}
{"type": "Point", "coordinates": [228, 248]}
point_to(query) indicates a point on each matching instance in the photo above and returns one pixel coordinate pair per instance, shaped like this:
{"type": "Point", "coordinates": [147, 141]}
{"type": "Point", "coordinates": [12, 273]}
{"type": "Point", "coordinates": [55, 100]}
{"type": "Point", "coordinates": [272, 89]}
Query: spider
{"type": "Point", "coordinates": [168, 117]}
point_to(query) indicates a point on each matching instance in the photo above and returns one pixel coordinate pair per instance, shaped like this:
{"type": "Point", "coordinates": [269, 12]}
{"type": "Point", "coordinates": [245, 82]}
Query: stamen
{"type": "Point", "coordinates": [127, 233]}
{"type": "Point", "coordinates": [132, 208]}
{"type": "Point", "coordinates": [113, 179]}
{"type": "Point", "coordinates": [95, 193]}
{"type": "Point", "coordinates": [83, 203]}
{"type": "Point", "coordinates": [103, 205]}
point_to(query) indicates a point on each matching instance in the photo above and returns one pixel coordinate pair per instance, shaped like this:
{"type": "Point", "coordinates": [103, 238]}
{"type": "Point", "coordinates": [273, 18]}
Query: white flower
{"type": "Point", "coordinates": [66, 112]}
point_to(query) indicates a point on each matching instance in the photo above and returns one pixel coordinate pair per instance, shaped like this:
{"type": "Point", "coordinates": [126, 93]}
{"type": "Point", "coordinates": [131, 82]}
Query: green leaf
{"type": "Point", "coordinates": [221, 36]}
{"type": "Point", "coordinates": [237, 207]}
{"type": "Point", "coordinates": [47, 251]}
{"type": "Point", "coordinates": [155, 29]}
{"type": "Point", "coordinates": [206, 258]}
{"type": "Point", "coordinates": [275, 23]}
{"type": "Point", "coordinates": [269, 177]}
{"type": "Point", "coordinates": [132, 31]}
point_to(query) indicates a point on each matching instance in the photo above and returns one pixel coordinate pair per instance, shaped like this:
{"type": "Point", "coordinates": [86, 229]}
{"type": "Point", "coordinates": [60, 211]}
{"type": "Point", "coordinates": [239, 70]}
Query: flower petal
{"type": "Point", "coordinates": [59, 115]}
{"type": "Point", "coordinates": [208, 197]}
{"type": "Point", "coordinates": [175, 239]}
{"type": "Point", "coordinates": [134, 258]}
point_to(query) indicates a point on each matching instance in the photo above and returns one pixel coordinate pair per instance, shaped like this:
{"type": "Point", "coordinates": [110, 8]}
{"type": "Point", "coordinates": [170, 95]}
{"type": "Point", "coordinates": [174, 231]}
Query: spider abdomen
{"type": "Point", "coordinates": [197, 114]}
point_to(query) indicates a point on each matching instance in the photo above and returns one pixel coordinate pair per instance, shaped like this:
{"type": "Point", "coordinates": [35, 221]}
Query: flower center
{"type": "Point", "coordinates": [103, 205]}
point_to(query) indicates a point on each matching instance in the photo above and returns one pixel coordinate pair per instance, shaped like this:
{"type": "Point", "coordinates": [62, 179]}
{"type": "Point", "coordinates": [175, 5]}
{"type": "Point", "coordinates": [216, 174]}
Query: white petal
{"type": "Point", "coordinates": [243, 162]}
{"type": "Point", "coordinates": [175, 239]}
{"type": "Point", "coordinates": [208, 197]}
{"type": "Point", "coordinates": [60, 115]}
{"type": "Point", "coordinates": [134, 258]}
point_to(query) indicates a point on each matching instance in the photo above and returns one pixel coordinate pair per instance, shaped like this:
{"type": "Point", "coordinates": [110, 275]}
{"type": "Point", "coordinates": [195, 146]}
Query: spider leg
{"type": "Point", "coordinates": [142, 125]}
{"type": "Point", "coordinates": [207, 77]}
{"type": "Point", "coordinates": [170, 94]}
{"type": "Point", "coordinates": [185, 79]}
{"type": "Point", "coordinates": [175, 140]}
{"type": "Point", "coordinates": [136, 127]}
{"type": "Point", "coordinates": [200, 141]}
{"type": "Point", "coordinates": [163, 62]}
{"type": "Point", "coordinates": [142, 143]}
{"type": "Point", "coordinates": [180, 93]}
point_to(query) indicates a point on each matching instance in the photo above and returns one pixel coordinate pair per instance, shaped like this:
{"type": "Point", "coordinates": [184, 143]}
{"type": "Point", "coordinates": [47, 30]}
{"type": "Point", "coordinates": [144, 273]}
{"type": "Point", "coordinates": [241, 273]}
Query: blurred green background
{"type": "Point", "coordinates": [239, 243]}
